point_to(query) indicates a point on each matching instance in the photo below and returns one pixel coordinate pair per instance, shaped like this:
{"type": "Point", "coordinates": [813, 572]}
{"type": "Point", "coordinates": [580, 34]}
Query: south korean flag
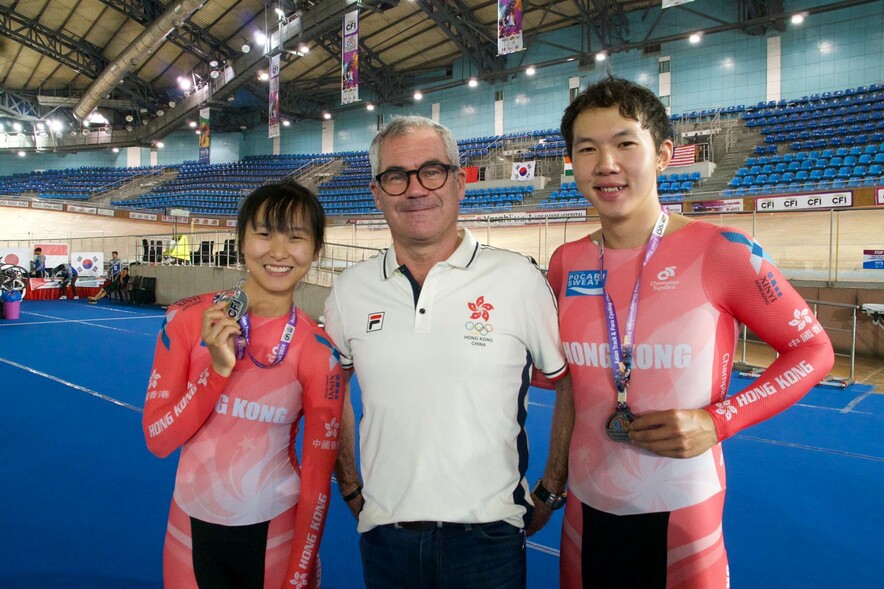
{"type": "Point", "coordinates": [88, 263]}
{"type": "Point", "coordinates": [523, 171]}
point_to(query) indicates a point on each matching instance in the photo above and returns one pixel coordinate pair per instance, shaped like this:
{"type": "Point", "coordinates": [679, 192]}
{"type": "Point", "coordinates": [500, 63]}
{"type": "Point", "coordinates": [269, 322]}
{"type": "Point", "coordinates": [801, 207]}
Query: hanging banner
{"type": "Point", "coordinates": [523, 171]}
{"type": "Point", "coordinates": [205, 136]}
{"type": "Point", "coordinates": [509, 26]}
{"type": "Point", "coordinates": [56, 253]}
{"type": "Point", "coordinates": [671, 3]}
{"type": "Point", "coordinates": [273, 109]}
{"type": "Point", "coordinates": [350, 59]}
{"type": "Point", "coordinates": [569, 167]}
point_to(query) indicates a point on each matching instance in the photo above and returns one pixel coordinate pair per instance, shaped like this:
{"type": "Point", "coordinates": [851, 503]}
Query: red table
{"type": "Point", "coordinates": [41, 289]}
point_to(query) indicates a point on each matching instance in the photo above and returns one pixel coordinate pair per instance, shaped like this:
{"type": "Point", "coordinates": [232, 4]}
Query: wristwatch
{"type": "Point", "coordinates": [551, 500]}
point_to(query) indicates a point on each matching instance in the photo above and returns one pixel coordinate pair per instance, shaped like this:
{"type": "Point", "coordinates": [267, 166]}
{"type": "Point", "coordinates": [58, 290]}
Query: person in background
{"type": "Point", "coordinates": [649, 310]}
{"type": "Point", "coordinates": [38, 265]}
{"type": "Point", "coordinates": [119, 284]}
{"type": "Point", "coordinates": [442, 333]}
{"type": "Point", "coordinates": [115, 266]}
{"type": "Point", "coordinates": [66, 274]}
{"type": "Point", "coordinates": [230, 392]}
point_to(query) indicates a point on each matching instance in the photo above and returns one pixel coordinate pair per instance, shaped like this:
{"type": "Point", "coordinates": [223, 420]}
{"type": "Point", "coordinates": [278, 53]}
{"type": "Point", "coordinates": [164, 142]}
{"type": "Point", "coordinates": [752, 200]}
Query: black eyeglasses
{"type": "Point", "coordinates": [430, 176]}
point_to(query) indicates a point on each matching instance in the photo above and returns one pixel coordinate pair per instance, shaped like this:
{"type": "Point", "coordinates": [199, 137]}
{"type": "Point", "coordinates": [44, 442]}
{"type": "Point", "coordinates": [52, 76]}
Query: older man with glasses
{"type": "Point", "coordinates": [443, 333]}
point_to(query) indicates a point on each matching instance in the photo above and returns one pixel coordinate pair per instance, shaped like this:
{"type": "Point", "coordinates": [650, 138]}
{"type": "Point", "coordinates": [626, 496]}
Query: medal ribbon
{"type": "Point", "coordinates": [242, 342]}
{"type": "Point", "coordinates": [621, 355]}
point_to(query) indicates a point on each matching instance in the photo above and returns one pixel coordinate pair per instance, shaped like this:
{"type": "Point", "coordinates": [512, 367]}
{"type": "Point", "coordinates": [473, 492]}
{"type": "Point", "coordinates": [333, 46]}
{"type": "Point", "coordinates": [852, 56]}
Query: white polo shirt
{"type": "Point", "coordinates": [445, 381]}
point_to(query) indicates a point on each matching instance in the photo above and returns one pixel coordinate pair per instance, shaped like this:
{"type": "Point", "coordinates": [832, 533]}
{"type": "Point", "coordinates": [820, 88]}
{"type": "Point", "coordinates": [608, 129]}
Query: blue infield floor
{"type": "Point", "coordinates": [84, 504]}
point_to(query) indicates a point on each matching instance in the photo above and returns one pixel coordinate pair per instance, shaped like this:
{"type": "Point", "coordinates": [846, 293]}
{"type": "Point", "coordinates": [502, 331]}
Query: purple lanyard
{"type": "Point", "coordinates": [621, 356]}
{"type": "Point", "coordinates": [242, 343]}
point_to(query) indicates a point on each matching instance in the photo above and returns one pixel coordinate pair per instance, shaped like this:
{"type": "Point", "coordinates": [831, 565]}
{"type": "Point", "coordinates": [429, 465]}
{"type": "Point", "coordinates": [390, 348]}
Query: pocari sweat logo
{"type": "Point", "coordinates": [586, 283]}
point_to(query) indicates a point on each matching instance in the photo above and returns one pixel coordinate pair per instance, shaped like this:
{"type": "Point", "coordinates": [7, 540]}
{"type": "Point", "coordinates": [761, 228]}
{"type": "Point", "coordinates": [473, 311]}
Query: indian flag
{"type": "Point", "coordinates": [569, 168]}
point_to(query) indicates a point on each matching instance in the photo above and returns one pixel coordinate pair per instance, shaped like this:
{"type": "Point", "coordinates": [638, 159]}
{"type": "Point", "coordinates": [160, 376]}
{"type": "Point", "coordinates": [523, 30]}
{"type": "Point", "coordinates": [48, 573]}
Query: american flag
{"type": "Point", "coordinates": [684, 155]}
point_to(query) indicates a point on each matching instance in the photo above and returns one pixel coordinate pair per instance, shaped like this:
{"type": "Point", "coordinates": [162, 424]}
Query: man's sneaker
{"type": "Point", "coordinates": [93, 301]}
{"type": "Point", "coordinates": [75, 298]}
{"type": "Point", "coordinates": [62, 297]}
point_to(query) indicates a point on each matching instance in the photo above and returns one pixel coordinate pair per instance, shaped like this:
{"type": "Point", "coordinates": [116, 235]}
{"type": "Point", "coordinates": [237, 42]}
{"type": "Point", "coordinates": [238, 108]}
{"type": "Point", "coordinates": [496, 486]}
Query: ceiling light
{"type": "Point", "coordinates": [197, 132]}
{"type": "Point", "coordinates": [21, 154]}
{"type": "Point", "coordinates": [161, 112]}
{"type": "Point", "coordinates": [96, 118]}
{"type": "Point", "coordinates": [129, 118]}
{"type": "Point", "coordinates": [797, 19]}
{"type": "Point", "coordinates": [261, 38]}
{"type": "Point", "coordinates": [171, 104]}
{"type": "Point", "coordinates": [41, 127]}
{"type": "Point", "coordinates": [213, 63]}
{"type": "Point", "coordinates": [369, 107]}
{"type": "Point", "coordinates": [214, 74]}
{"type": "Point", "coordinates": [56, 125]}
{"type": "Point", "coordinates": [695, 38]}
{"type": "Point", "coordinates": [473, 82]}
{"type": "Point", "coordinates": [263, 76]}
{"type": "Point", "coordinates": [243, 128]}
{"type": "Point", "coordinates": [418, 95]}
{"type": "Point", "coordinates": [303, 49]}
{"type": "Point", "coordinates": [246, 47]}
{"type": "Point", "coordinates": [116, 150]}
{"type": "Point", "coordinates": [286, 122]}
{"type": "Point", "coordinates": [279, 11]}
{"type": "Point", "coordinates": [601, 56]}
{"type": "Point", "coordinates": [531, 70]}
{"type": "Point", "coordinates": [192, 124]}
{"type": "Point", "coordinates": [129, 128]}
{"type": "Point", "coordinates": [184, 83]}
{"type": "Point", "coordinates": [160, 145]}
{"type": "Point", "coordinates": [326, 115]}
{"type": "Point", "coordinates": [86, 132]}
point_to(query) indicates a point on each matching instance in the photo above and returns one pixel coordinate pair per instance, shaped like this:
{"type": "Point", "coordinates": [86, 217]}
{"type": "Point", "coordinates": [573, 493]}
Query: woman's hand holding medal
{"type": "Point", "coordinates": [219, 332]}
{"type": "Point", "coordinates": [675, 433]}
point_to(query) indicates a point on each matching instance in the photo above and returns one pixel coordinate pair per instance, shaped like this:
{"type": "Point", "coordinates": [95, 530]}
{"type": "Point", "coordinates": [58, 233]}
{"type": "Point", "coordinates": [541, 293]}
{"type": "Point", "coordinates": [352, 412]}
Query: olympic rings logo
{"type": "Point", "coordinates": [480, 328]}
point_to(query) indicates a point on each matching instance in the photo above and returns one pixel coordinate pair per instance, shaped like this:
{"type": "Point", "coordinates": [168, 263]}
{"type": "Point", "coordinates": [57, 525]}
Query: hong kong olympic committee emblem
{"type": "Point", "coordinates": [477, 326]}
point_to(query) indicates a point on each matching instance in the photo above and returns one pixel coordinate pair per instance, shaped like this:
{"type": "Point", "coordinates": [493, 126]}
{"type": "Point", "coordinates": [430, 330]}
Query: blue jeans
{"type": "Point", "coordinates": [455, 556]}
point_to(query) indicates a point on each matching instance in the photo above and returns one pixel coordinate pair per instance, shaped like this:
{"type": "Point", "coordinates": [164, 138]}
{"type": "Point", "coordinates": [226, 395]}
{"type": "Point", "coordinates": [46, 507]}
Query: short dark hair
{"type": "Point", "coordinates": [284, 204]}
{"type": "Point", "coordinates": [38, 249]}
{"type": "Point", "coordinates": [115, 252]}
{"type": "Point", "coordinates": [634, 101]}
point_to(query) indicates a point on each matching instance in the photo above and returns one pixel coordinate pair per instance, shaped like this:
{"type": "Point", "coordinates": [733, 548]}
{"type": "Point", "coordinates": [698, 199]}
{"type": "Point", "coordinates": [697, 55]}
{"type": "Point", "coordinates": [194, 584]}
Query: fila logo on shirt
{"type": "Point", "coordinates": [375, 322]}
{"type": "Point", "coordinates": [665, 279]}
